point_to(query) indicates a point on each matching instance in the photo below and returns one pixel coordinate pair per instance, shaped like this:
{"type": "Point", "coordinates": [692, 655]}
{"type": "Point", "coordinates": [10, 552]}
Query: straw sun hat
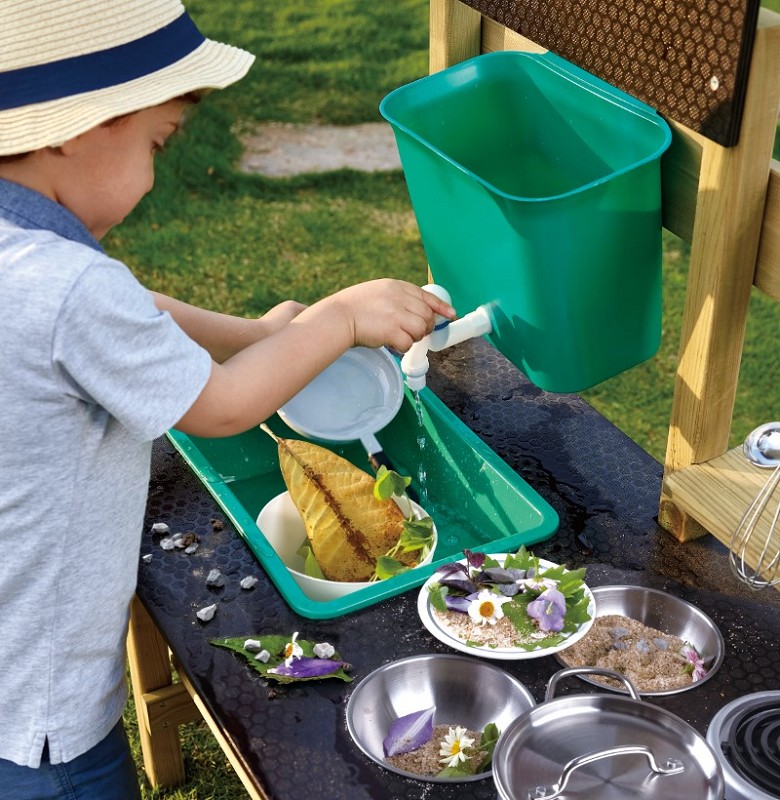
{"type": "Point", "coordinates": [68, 65]}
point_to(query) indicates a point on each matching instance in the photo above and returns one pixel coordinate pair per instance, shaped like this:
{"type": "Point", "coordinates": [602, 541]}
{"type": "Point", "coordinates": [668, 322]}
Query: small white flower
{"type": "Point", "coordinates": [455, 742]}
{"type": "Point", "coordinates": [537, 584]}
{"type": "Point", "coordinates": [324, 650]}
{"type": "Point", "coordinates": [292, 650]}
{"type": "Point", "coordinates": [263, 656]}
{"type": "Point", "coordinates": [485, 608]}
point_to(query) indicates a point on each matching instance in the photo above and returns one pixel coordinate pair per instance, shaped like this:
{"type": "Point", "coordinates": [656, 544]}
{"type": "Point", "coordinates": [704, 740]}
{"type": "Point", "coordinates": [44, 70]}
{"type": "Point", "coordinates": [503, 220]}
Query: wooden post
{"type": "Point", "coordinates": [455, 33]}
{"type": "Point", "coordinates": [160, 704]}
{"type": "Point", "coordinates": [726, 231]}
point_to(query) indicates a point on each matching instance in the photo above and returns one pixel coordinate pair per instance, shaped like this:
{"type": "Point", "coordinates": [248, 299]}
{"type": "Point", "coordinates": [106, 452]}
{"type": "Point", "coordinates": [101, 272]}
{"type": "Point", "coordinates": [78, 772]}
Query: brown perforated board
{"type": "Point", "coordinates": [689, 59]}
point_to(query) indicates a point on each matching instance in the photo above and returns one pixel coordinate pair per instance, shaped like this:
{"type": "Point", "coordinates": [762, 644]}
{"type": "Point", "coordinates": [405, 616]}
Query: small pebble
{"type": "Point", "coordinates": [207, 614]}
{"type": "Point", "coordinates": [215, 578]}
{"type": "Point", "coordinates": [190, 549]}
{"type": "Point", "coordinates": [167, 544]}
{"type": "Point", "coordinates": [217, 524]}
{"type": "Point", "coordinates": [253, 645]}
{"type": "Point", "coordinates": [249, 582]}
{"type": "Point", "coordinates": [160, 527]}
{"type": "Point", "coordinates": [324, 650]}
{"type": "Point", "coordinates": [263, 656]}
{"type": "Point", "coordinates": [147, 559]}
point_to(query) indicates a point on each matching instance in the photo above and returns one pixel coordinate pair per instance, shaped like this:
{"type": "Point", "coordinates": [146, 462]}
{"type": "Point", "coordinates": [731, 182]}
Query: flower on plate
{"type": "Point", "coordinates": [453, 746]}
{"type": "Point", "coordinates": [694, 663]}
{"type": "Point", "coordinates": [292, 650]}
{"type": "Point", "coordinates": [548, 610]}
{"type": "Point", "coordinates": [485, 608]}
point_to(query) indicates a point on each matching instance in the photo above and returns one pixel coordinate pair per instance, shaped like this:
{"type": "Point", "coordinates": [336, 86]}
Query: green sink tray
{"type": "Point", "coordinates": [475, 499]}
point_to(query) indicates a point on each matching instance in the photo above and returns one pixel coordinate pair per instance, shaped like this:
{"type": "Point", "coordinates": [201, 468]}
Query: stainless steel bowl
{"type": "Point", "coordinates": [465, 691]}
{"type": "Point", "coordinates": [664, 612]}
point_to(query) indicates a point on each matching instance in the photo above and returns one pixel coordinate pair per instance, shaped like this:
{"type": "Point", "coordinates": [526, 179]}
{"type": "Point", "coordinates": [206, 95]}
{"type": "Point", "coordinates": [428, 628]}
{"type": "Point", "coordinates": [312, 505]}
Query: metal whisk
{"type": "Point", "coordinates": [761, 447]}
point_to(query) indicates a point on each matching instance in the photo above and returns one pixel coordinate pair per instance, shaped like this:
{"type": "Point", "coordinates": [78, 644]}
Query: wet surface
{"type": "Point", "coordinates": [605, 490]}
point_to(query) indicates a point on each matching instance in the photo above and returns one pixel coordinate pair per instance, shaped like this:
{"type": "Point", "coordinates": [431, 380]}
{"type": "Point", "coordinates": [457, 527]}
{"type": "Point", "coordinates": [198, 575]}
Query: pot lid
{"type": "Point", "coordinates": [605, 747]}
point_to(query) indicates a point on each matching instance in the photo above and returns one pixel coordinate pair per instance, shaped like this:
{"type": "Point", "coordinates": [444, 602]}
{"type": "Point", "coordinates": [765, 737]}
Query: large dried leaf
{"type": "Point", "coordinates": [348, 528]}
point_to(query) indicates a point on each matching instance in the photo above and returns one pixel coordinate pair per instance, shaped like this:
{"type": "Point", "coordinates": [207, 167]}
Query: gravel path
{"type": "Point", "coordinates": [280, 150]}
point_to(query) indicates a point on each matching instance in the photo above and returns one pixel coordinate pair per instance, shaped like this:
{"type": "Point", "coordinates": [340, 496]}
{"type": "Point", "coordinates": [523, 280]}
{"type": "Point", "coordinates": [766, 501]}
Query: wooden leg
{"type": "Point", "coordinates": [161, 704]}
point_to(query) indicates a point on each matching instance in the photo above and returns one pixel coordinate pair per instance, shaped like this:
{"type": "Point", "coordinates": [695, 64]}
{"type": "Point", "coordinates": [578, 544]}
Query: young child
{"type": "Point", "coordinates": [95, 366]}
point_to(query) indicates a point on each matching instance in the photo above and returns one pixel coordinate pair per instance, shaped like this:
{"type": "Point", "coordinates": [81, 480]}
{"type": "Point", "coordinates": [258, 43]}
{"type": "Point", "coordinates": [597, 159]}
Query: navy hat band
{"type": "Point", "coordinates": [102, 69]}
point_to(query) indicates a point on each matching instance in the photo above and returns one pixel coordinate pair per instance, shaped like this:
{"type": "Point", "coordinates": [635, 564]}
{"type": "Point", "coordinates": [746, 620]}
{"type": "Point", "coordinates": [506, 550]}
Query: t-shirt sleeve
{"type": "Point", "coordinates": [115, 349]}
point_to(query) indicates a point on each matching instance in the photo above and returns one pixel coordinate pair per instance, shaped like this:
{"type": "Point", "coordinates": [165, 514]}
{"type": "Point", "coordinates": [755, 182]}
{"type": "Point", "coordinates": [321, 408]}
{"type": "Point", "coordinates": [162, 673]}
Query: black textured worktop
{"type": "Point", "coordinates": [293, 739]}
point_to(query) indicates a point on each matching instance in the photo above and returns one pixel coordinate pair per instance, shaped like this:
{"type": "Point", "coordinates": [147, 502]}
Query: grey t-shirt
{"type": "Point", "coordinates": [92, 372]}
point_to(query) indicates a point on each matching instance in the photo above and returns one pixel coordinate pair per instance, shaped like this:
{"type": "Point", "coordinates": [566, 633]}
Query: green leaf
{"type": "Point", "coordinates": [458, 771]}
{"type": "Point", "coordinates": [275, 645]}
{"type": "Point", "coordinates": [389, 483]}
{"type": "Point", "coordinates": [516, 612]}
{"type": "Point", "coordinates": [523, 559]}
{"type": "Point", "coordinates": [310, 565]}
{"type": "Point", "coordinates": [417, 534]}
{"type": "Point", "coordinates": [487, 744]}
{"type": "Point", "coordinates": [437, 593]}
{"type": "Point", "coordinates": [387, 567]}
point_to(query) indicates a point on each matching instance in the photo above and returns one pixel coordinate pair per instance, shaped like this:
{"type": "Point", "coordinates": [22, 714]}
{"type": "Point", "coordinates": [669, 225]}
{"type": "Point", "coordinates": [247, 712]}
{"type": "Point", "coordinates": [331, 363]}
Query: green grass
{"type": "Point", "coordinates": [239, 243]}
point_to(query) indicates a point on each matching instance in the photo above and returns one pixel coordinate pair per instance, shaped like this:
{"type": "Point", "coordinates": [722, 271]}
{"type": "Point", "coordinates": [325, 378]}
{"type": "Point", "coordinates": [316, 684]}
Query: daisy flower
{"type": "Point", "coordinates": [485, 608]}
{"type": "Point", "coordinates": [292, 650]}
{"type": "Point", "coordinates": [453, 745]}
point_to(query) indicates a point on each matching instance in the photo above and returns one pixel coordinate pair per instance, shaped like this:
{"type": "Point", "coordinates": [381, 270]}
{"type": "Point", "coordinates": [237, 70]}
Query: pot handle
{"type": "Point", "coordinates": [605, 673]}
{"type": "Point", "coordinates": [673, 767]}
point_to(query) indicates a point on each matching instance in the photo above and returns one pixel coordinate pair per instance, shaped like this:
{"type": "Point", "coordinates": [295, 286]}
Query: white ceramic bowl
{"type": "Point", "coordinates": [281, 524]}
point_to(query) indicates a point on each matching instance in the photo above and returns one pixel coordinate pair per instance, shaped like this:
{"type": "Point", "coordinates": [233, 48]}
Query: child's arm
{"type": "Point", "coordinates": [224, 335]}
{"type": "Point", "coordinates": [251, 385]}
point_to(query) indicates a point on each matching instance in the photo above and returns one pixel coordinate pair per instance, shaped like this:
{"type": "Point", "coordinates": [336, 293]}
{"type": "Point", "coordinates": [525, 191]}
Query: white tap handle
{"type": "Point", "coordinates": [442, 294]}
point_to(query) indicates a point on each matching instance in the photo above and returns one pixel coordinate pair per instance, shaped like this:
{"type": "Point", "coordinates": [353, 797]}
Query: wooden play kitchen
{"type": "Point", "coordinates": [713, 74]}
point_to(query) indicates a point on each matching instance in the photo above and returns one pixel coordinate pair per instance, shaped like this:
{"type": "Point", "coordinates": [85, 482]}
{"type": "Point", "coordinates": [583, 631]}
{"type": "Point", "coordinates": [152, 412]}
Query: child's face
{"type": "Point", "coordinates": [115, 165]}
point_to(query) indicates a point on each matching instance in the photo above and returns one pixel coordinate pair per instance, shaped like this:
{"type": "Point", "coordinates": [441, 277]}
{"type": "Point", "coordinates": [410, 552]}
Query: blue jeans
{"type": "Point", "coordinates": [106, 772]}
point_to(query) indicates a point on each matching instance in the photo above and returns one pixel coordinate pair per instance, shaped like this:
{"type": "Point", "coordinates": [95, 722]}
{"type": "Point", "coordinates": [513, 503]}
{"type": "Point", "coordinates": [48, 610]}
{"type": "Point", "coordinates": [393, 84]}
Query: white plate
{"type": "Point", "coordinates": [357, 394]}
{"type": "Point", "coordinates": [435, 626]}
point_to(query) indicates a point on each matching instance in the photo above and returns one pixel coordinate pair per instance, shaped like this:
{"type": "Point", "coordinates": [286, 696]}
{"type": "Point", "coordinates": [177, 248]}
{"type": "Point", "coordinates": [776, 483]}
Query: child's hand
{"type": "Point", "coordinates": [389, 312]}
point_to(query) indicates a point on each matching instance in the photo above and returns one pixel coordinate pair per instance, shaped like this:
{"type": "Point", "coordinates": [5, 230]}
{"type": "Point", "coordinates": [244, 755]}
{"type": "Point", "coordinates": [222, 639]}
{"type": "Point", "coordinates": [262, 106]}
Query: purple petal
{"type": "Point", "coordinates": [457, 603]}
{"type": "Point", "coordinates": [451, 569]}
{"type": "Point", "coordinates": [546, 614]}
{"type": "Point", "coordinates": [475, 560]}
{"type": "Point", "coordinates": [456, 578]}
{"type": "Point", "coordinates": [556, 598]}
{"type": "Point", "coordinates": [409, 732]}
{"type": "Point", "coordinates": [495, 575]}
{"type": "Point", "coordinates": [305, 667]}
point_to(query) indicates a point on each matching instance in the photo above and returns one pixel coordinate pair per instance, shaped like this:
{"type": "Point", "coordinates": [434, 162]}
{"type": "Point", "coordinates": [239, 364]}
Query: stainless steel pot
{"type": "Point", "coordinates": [603, 747]}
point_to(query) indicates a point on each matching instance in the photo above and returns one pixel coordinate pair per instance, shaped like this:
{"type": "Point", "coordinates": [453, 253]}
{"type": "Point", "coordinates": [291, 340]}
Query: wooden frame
{"type": "Point", "coordinates": [726, 203]}
{"type": "Point", "coordinates": [162, 705]}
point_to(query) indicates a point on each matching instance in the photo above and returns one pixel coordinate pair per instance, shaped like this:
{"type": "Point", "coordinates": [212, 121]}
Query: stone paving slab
{"type": "Point", "coordinates": [280, 150]}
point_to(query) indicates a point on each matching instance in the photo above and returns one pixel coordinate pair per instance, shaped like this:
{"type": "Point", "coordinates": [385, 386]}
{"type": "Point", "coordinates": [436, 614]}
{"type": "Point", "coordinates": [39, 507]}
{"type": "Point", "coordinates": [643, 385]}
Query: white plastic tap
{"type": "Point", "coordinates": [414, 363]}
